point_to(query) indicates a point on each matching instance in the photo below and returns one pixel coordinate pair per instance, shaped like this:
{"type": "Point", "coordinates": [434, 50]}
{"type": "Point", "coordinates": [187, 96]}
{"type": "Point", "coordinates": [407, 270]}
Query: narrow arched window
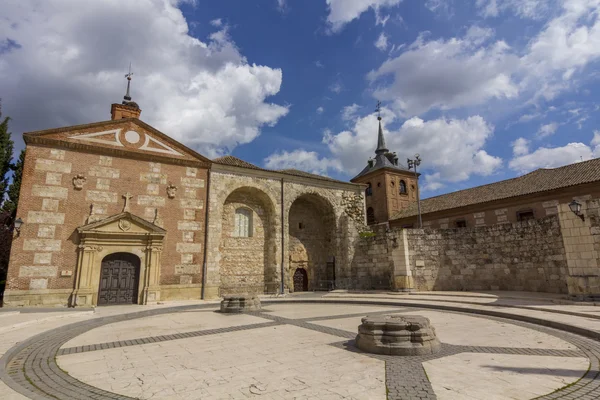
{"type": "Point", "coordinates": [369, 190]}
{"type": "Point", "coordinates": [370, 216]}
{"type": "Point", "coordinates": [402, 188]}
{"type": "Point", "coordinates": [243, 223]}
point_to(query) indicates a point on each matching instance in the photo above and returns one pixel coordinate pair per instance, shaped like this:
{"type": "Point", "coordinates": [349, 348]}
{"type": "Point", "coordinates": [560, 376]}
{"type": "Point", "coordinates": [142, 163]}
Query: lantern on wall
{"type": "Point", "coordinates": [575, 207]}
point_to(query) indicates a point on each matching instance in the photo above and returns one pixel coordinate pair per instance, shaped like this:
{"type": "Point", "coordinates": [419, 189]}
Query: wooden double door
{"type": "Point", "coordinates": [119, 279]}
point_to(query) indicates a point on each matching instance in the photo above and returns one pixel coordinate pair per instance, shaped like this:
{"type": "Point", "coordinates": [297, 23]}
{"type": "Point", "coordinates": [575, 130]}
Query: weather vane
{"type": "Point", "coordinates": [378, 109]}
{"type": "Point", "coordinates": [128, 75]}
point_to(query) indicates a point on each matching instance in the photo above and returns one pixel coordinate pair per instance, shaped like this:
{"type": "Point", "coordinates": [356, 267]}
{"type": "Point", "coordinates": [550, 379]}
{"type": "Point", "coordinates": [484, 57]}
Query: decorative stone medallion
{"type": "Point", "coordinates": [124, 225]}
{"type": "Point", "coordinates": [240, 303]}
{"type": "Point", "coordinates": [397, 335]}
{"type": "Point", "coordinates": [78, 181]}
{"type": "Point", "coordinates": [171, 191]}
{"type": "Point", "coordinates": [132, 137]}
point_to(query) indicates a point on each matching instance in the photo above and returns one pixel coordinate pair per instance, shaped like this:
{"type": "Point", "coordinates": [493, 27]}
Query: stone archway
{"type": "Point", "coordinates": [312, 226]}
{"type": "Point", "coordinates": [247, 245]}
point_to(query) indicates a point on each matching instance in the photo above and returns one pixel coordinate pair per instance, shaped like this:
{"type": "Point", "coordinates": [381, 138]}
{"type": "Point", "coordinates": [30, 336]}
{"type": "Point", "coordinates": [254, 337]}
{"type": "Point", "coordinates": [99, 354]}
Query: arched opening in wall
{"type": "Point", "coordinates": [247, 246]}
{"type": "Point", "coordinates": [312, 247]}
{"type": "Point", "coordinates": [300, 280]}
{"type": "Point", "coordinates": [119, 279]}
{"type": "Point", "coordinates": [370, 216]}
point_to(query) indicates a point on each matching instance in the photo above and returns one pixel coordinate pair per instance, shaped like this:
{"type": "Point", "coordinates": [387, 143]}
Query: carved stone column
{"type": "Point", "coordinates": [152, 277]}
{"type": "Point", "coordinates": [83, 294]}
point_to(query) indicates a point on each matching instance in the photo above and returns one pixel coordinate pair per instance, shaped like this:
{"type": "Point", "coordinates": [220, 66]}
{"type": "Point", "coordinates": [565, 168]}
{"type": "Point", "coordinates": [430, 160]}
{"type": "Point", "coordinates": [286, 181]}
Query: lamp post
{"type": "Point", "coordinates": [414, 164]}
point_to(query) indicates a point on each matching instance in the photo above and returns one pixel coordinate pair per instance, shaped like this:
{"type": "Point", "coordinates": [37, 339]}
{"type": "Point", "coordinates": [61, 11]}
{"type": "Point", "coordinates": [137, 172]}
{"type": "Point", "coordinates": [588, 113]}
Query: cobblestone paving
{"type": "Point", "coordinates": [31, 369]}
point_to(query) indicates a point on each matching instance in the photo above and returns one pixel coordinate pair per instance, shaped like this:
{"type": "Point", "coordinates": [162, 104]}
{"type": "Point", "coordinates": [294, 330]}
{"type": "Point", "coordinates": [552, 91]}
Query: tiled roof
{"type": "Point", "coordinates": [236, 162]}
{"type": "Point", "coordinates": [540, 180]}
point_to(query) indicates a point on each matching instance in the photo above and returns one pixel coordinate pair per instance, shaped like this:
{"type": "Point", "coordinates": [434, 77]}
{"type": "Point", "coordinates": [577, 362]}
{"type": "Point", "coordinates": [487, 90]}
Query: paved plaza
{"type": "Point", "coordinates": [302, 347]}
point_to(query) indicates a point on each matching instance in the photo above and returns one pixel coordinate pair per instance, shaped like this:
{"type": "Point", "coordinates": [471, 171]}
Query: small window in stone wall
{"type": "Point", "coordinates": [525, 215]}
{"type": "Point", "coordinates": [300, 225]}
{"type": "Point", "coordinates": [378, 184]}
{"type": "Point", "coordinates": [461, 223]}
{"type": "Point", "coordinates": [243, 223]}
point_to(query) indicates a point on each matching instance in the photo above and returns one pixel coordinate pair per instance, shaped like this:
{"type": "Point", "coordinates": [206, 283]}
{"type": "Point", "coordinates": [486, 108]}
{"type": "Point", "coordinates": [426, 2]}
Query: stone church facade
{"type": "Point", "coordinates": [116, 212]}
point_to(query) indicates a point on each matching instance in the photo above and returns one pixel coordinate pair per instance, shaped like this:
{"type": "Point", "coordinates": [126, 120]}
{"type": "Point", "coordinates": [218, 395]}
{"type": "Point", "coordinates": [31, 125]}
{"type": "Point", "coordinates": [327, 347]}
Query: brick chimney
{"type": "Point", "coordinates": [128, 108]}
{"type": "Point", "coordinates": [119, 111]}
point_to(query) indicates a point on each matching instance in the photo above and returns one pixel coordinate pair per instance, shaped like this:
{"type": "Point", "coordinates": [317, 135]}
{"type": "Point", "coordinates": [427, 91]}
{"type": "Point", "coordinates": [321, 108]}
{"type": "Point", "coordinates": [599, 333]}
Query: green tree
{"type": "Point", "coordinates": [6, 153]}
{"type": "Point", "coordinates": [12, 201]}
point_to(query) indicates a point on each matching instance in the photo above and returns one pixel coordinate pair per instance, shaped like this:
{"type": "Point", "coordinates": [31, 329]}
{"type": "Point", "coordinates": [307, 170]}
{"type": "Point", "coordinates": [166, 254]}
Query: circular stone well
{"type": "Point", "coordinates": [240, 303]}
{"type": "Point", "coordinates": [397, 335]}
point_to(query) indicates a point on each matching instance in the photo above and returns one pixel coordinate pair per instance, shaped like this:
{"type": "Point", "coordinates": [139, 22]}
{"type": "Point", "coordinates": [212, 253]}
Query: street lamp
{"type": "Point", "coordinates": [414, 164]}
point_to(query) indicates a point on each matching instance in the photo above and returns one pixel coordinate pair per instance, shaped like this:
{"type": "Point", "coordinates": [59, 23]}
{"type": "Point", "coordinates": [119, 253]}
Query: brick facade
{"type": "Point", "coordinates": [68, 183]}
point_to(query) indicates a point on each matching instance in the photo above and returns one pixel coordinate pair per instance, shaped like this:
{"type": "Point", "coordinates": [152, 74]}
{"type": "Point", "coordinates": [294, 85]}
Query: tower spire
{"type": "Point", "coordinates": [128, 75]}
{"type": "Point", "coordinates": [381, 146]}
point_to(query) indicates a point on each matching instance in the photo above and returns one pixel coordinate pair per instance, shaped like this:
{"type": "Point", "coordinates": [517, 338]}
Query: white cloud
{"type": "Point", "coordinates": [452, 149]}
{"type": "Point", "coordinates": [343, 11]}
{"type": "Point", "coordinates": [336, 87]}
{"type": "Point", "coordinates": [319, 64]}
{"type": "Point", "coordinates": [303, 160]}
{"type": "Point", "coordinates": [448, 74]}
{"type": "Point", "coordinates": [552, 157]}
{"type": "Point", "coordinates": [566, 45]}
{"type": "Point", "coordinates": [545, 157]}
{"type": "Point", "coordinates": [451, 73]}
{"type": "Point", "coordinates": [382, 42]}
{"type": "Point", "coordinates": [70, 67]}
{"type": "Point", "coordinates": [349, 112]}
{"type": "Point", "coordinates": [547, 130]}
{"type": "Point", "coordinates": [282, 5]}
{"type": "Point", "coordinates": [439, 6]}
{"type": "Point", "coordinates": [218, 22]}
{"type": "Point", "coordinates": [320, 110]}
{"type": "Point", "coordinates": [534, 9]}
{"type": "Point", "coordinates": [520, 146]}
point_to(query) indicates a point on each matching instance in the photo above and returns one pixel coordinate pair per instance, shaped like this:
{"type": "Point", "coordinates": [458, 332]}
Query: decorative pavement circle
{"type": "Point", "coordinates": [298, 351]}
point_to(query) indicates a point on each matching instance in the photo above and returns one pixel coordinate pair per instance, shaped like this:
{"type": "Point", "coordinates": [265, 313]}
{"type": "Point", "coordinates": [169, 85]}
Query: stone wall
{"type": "Point", "coordinates": [248, 263]}
{"type": "Point", "coordinates": [311, 245]}
{"type": "Point", "coordinates": [525, 256]}
{"type": "Point", "coordinates": [581, 236]}
{"type": "Point", "coordinates": [332, 211]}
{"type": "Point", "coordinates": [372, 266]}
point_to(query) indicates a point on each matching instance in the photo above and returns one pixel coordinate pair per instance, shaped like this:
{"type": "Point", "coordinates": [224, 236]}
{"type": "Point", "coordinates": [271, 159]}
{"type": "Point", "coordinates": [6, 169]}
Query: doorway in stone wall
{"type": "Point", "coordinates": [119, 279]}
{"type": "Point", "coordinates": [300, 280]}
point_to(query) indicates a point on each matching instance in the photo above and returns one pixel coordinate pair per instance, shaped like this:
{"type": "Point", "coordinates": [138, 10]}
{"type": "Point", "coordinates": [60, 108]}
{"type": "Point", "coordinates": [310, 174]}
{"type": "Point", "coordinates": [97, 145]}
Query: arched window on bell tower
{"type": "Point", "coordinates": [402, 188]}
{"type": "Point", "coordinates": [369, 190]}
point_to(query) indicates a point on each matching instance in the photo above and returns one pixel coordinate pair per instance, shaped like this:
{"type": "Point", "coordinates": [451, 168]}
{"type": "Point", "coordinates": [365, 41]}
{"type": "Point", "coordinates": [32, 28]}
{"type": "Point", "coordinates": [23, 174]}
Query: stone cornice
{"type": "Point", "coordinates": [57, 143]}
{"type": "Point", "coordinates": [276, 175]}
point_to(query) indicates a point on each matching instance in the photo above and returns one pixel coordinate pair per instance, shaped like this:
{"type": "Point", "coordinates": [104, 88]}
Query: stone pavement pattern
{"type": "Point", "coordinates": [299, 351]}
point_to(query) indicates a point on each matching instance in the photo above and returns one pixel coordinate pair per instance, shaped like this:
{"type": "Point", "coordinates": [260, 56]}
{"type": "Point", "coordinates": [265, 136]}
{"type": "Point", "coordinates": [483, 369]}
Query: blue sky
{"type": "Point", "coordinates": [484, 90]}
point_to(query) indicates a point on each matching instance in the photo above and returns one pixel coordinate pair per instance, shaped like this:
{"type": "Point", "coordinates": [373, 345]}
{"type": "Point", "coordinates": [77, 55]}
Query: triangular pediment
{"type": "Point", "coordinates": [128, 135]}
{"type": "Point", "coordinates": [124, 222]}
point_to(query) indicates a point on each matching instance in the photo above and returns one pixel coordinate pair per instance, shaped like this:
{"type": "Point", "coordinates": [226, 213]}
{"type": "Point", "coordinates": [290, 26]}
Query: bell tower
{"type": "Point", "coordinates": [391, 186]}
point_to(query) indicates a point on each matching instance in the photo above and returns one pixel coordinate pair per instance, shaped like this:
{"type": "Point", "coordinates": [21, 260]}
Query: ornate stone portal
{"type": "Point", "coordinates": [237, 304]}
{"type": "Point", "coordinates": [397, 335]}
{"type": "Point", "coordinates": [121, 233]}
